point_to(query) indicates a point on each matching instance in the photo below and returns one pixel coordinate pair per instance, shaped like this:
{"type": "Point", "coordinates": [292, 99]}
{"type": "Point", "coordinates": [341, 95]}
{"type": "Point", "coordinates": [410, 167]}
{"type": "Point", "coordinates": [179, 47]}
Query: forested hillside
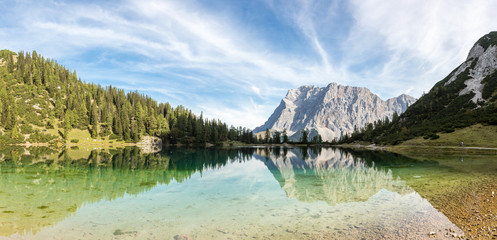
{"type": "Point", "coordinates": [467, 96]}
{"type": "Point", "coordinates": [38, 96]}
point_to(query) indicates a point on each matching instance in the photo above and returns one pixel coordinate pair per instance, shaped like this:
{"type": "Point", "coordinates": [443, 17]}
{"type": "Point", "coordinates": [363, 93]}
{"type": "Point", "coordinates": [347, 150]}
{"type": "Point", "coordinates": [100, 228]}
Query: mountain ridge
{"type": "Point", "coordinates": [332, 111]}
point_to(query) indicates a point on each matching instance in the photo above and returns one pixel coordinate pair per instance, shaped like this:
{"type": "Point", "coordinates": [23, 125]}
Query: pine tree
{"type": "Point", "coordinates": [10, 119]}
{"type": "Point", "coordinates": [94, 130]}
{"type": "Point", "coordinates": [3, 98]}
{"type": "Point", "coordinates": [285, 136]}
{"type": "Point", "coordinates": [125, 121]}
{"type": "Point", "coordinates": [82, 113]}
{"type": "Point", "coordinates": [117, 126]}
{"type": "Point", "coordinates": [94, 114]}
{"type": "Point", "coordinates": [10, 63]}
{"type": "Point", "coordinates": [67, 126]}
{"type": "Point", "coordinates": [37, 76]}
{"type": "Point", "coordinates": [163, 126]}
{"type": "Point", "coordinates": [267, 137]}
{"type": "Point", "coordinates": [152, 124]}
{"type": "Point", "coordinates": [304, 137]}
{"type": "Point", "coordinates": [207, 132]}
{"type": "Point", "coordinates": [277, 137]}
{"type": "Point", "coordinates": [139, 116]}
{"type": "Point", "coordinates": [59, 107]}
{"type": "Point", "coordinates": [251, 137]}
{"type": "Point", "coordinates": [15, 133]}
{"type": "Point", "coordinates": [94, 121]}
{"type": "Point", "coordinates": [199, 129]}
{"type": "Point", "coordinates": [214, 133]}
{"type": "Point", "coordinates": [135, 134]}
{"type": "Point", "coordinates": [395, 117]}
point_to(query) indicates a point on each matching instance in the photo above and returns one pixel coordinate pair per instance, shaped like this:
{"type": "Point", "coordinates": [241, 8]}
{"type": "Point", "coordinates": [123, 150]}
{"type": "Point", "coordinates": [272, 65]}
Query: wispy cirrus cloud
{"type": "Point", "coordinates": [419, 42]}
{"type": "Point", "coordinates": [236, 60]}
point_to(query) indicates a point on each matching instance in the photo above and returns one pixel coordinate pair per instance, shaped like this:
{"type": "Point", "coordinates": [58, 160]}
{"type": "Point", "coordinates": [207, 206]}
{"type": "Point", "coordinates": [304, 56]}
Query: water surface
{"type": "Point", "coordinates": [277, 193]}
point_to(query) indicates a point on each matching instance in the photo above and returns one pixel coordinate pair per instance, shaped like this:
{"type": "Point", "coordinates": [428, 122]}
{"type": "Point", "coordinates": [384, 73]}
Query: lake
{"type": "Point", "coordinates": [245, 193]}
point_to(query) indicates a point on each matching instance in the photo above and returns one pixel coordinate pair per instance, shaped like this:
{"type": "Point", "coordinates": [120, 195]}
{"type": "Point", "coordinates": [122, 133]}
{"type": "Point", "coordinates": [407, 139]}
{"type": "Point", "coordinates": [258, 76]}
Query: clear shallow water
{"type": "Point", "coordinates": [222, 194]}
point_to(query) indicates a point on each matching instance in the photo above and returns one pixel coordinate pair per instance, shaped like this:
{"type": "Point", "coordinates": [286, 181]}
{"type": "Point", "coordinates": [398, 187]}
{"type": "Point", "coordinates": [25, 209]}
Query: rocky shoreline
{"type": "Point", "coordinates": [150, 144]}
{"type": "Point", "coordinates": [473, 209]}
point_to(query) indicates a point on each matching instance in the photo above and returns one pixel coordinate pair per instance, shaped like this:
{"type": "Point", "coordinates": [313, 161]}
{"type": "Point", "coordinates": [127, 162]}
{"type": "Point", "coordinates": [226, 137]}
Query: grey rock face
{"type": "Point", "coordinates": [486, 64]}
{"type": "Point", "coordinates": [331, 111]}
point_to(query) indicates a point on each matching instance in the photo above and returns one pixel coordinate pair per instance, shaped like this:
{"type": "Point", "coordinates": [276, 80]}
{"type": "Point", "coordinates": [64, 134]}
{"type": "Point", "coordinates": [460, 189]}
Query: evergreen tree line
{"type": "Point", "coordinates": [35, 91]}
{"type": "Point", "coordinates": [367, 132]}
{"type": "Point", "coordinates": [277, 137]}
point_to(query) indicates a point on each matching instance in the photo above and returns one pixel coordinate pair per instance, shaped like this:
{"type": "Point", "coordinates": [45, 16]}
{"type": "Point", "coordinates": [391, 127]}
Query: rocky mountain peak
{"type": "Point", "coordinates": [331, 111]}
{"type": "Point", "coordinates": [475, 52]}
{"type": "Point", "coordinates": [480, 63]}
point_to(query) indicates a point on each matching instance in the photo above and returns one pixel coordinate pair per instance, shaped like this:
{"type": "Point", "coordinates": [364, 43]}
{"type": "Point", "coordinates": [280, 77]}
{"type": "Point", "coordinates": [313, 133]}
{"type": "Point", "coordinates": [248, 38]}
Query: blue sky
{"type": "Point", "coordinates": [235, 60]}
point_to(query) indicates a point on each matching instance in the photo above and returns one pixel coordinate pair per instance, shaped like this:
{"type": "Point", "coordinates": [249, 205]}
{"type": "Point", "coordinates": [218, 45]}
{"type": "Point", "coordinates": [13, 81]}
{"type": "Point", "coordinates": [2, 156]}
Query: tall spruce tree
{"type": "Point", "coordinates": [285, 136]}
{"type": "Point", "coordinates": [304, 138]}
{"type": "Point", "coordinates": [277, 137]}
{"type": "Point", "coordinates": [267, 136]}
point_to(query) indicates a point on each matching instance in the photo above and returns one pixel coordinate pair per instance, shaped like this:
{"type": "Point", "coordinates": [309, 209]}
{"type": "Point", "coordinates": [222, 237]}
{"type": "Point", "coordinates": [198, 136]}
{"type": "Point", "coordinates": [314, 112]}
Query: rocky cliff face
{"type": "Point", "coordinates": [331, 111]}
{"type": "Point", "coordinates": [480, 63]}
{"type": "Point", "coordinates": [148, 144]}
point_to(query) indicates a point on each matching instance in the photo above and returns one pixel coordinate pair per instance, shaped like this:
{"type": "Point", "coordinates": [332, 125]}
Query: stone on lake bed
{"type": "Point", "coordinates": [222, 231]}
{"type": "Point", "coordinates": [183, 237]}
{"type": "Point", "coordinates": [118, 232]}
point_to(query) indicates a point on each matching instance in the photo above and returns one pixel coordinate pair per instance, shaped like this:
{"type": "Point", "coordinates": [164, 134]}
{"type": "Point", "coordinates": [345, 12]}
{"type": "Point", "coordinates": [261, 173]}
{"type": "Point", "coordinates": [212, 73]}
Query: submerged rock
{"type": "Point", "coordinates": [183, 237]}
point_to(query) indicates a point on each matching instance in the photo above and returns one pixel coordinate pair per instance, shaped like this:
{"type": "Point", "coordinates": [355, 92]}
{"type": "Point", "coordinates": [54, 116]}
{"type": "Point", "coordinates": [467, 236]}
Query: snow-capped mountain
{"type": "Point", "coordinates": [331, 111]}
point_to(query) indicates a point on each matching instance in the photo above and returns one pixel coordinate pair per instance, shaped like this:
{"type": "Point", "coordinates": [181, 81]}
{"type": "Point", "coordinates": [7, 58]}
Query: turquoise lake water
{"type": "Point", "coordinates": [249, 193]}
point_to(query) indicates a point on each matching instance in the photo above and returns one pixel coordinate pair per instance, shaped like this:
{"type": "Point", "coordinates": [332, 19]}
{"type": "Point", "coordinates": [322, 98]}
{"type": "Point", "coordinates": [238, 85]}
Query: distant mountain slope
{"type": "Point", "coordinates": [468, 95]}
{"type": "Point", "coordinates": [331, 111]}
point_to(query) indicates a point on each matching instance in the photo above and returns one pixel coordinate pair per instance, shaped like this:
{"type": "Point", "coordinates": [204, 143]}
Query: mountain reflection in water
{"type": "Point", "coordinates": [208, 194]}
{"type": "Point", "coordinates": [328, 175]}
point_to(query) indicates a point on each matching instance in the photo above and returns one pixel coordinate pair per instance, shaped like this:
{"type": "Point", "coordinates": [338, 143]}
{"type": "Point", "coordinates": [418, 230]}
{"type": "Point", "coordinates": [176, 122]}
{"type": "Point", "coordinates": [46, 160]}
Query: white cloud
{"type": "Point", "coordinates": [246, 114]}
{"type": "Point", "coordinates": [194, 53]}
{"type": "Point", "coordinates": [172, 35]}
{"type": "Point", "coordinates": [422, 40]}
